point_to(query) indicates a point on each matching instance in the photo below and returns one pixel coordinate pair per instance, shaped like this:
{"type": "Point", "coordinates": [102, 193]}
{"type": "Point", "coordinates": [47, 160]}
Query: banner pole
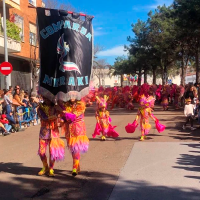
{"type": "Point", "coordinates": [69, 12]}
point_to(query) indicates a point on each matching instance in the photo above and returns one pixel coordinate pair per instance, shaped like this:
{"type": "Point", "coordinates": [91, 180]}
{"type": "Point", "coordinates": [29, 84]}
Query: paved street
{"type": "Point", "coordinates": [165, 165]}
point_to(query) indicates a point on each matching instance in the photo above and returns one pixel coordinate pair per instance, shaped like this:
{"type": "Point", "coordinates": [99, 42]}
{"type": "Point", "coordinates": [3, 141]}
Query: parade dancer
{"type": "Point", "coordinates": [75, 131]}
{"type": "Point", "coordinates": [144, 112]}
{"type": "Point", "coordinates": [103, 125]}
{"type": "Point", "coordinates": [49, 135]}
{"type": "Point", "coordinates": [165, 96]}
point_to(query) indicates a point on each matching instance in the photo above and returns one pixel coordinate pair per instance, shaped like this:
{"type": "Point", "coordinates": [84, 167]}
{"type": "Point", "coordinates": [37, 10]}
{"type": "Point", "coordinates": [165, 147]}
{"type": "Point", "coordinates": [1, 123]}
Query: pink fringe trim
{"type": "Point", "coordinates": [79, 147]}
{"type": "Point", "coordinates": [58, 153]}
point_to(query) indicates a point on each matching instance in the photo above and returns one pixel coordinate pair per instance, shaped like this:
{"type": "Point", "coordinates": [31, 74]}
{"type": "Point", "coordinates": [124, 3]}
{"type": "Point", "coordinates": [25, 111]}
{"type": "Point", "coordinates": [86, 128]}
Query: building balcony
{"type": "Point", "coordinates": [13, 46]}
{"type": "Point", "coordinates": [12, 3]}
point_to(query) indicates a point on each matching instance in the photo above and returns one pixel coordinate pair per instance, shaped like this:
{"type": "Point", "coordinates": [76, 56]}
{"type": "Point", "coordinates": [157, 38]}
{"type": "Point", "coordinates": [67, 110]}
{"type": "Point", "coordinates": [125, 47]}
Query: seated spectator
{"type": "Point", "coordinates": [5, 122]}
{"type": "Point", "coordinates": [4, 131]}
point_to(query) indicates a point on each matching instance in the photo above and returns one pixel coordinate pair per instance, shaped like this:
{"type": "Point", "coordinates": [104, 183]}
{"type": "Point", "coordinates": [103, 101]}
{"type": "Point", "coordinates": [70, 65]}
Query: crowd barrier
{"type": "Point", "coordinates": [26, 115]}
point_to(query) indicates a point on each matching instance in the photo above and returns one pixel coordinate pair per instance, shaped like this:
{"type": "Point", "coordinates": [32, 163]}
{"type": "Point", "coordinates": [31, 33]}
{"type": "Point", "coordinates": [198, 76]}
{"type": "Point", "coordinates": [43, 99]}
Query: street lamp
{"type": "Point", "coordinates": [7, 78]}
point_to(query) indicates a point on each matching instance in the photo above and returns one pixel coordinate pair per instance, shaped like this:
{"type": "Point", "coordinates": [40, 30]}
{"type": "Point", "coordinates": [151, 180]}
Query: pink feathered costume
{"type": "Point", "coordinates": [103, 124]}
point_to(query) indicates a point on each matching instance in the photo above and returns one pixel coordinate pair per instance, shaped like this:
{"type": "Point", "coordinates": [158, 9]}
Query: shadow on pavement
{"type": "Point", "coordinates": [86, 186]}
{"type": "Point", "coordinates": [190, 162]}
{"type": "Point", "coordinates": [142, 190]}
{"type": "Point", "coordinates": [23, 183]}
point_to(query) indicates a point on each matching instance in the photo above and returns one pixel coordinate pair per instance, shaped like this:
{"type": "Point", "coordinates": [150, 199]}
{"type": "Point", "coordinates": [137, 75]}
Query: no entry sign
{"type": "Point", "coordinates": [6, 68]}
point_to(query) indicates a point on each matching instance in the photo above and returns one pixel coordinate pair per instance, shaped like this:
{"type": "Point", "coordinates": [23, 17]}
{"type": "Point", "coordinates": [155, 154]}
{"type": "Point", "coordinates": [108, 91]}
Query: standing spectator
{"type": "Point", "coordinates": [8, 107]}
{"type": "Point", "coordinates": [191, 93]}
{"type": "Point", "coordinates": [17, 97]}
{"type": "Point", "coordinates": [7, 102]}
{"type": "Point", "coordinates": [1, 100]}
{"type": "Point", "coordinates": [21, 94]}
{"type": "Point", "coordinates": [197, 85]}
{"type": "Point", "coordinates": [10, 94]}
{"type": "Point", "coordinates": [34, 103]}
{"type": "Point", "coordinates": [189, 113]}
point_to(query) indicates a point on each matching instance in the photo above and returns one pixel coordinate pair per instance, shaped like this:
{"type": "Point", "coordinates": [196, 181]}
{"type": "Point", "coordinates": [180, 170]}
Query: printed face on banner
{"type": "Point", "coordinates": [65, 54]}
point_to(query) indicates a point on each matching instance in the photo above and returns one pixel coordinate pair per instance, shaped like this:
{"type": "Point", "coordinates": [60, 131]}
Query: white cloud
{"type": "Point", "coordinates": [98, 32]}
{"type": "Point", "coordinates": [115, 51]}
{"type": "Point", "coordinates": [153, 6]}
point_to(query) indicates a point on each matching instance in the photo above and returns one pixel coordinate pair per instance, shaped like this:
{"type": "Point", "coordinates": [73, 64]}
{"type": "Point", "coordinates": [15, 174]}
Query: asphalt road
{"type": "Point", "coordinates": [100, 167]}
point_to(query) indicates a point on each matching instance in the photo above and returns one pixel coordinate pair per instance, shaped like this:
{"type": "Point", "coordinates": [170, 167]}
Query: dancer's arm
{"type": "Point", "coordinates": [152, 116]}
{"type": "Point", "coordinates": [97, 116]}
{"type": "Point", "coordinates": [137, 116]}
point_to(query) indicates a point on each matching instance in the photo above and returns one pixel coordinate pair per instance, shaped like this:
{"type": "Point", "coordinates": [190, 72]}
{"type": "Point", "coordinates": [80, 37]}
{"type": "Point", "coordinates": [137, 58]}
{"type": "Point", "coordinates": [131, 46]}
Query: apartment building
{"type": "Point", "coordinates": [21, 40]}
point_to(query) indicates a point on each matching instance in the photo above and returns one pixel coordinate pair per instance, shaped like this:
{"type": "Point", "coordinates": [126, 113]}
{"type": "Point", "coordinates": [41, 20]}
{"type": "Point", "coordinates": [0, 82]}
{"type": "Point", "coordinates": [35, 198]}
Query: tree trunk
{"type": "Point", "coordinates": [34, 89]}
{"type": "Point", "coordinates": [197, 65]}
{"type": "Point", "coordinates": [33, 66]}
{"type": "Point", "coordinates": [139, 77]}
{"type": "Point", "coordinates": [183, 69]}
{"type": "Point", "coordinates": [154, 75]}
{"type": "Point", "coordinates": [165, 75]}
{"type": "Point", "coordinates": [121, 80]}
{"type": "Point", "coordinates": [163, 72]}
{"type": "Point", "coordinates": [145, 76]}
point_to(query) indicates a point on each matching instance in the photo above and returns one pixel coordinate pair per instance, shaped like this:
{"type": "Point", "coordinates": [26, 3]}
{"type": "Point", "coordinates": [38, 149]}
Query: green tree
{"type": "Point", "coordinates": [162, 37]}
{"type": "Point", "coordinates": [188, 13]}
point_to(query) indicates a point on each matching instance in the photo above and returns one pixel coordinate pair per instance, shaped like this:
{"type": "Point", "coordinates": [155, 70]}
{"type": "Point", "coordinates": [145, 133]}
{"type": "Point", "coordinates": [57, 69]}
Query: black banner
{"type": "Point", "coordinates": [66, 54]}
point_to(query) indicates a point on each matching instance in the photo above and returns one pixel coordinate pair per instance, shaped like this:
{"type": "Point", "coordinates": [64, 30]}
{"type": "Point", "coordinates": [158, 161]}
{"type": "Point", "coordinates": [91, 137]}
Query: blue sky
{"type": "Point", "coordinates": [112, 22]}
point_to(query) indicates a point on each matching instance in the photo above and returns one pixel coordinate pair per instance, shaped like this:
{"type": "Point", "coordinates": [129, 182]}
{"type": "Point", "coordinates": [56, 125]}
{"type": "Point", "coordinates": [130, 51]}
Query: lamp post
{"type": "Point", "coordinates": [7, 78]}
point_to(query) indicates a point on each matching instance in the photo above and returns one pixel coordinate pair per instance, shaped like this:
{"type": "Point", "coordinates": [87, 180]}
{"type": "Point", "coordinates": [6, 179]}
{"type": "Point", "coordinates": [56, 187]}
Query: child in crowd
{"type": "Point", "coordinates": [4, 131]}
{"type": "Point", "coordinates": [26, 109]}
{"type": "Point", "coordinates": [34, 103]}
{"type": "Point", "coordinates": [26, 101]}
{"type": "Point", "coordinates": [189, 113]}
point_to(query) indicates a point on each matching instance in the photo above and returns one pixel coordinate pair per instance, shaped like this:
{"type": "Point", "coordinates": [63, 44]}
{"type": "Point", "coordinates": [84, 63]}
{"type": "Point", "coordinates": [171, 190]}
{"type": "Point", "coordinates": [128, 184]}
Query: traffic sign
{"type": "Point", "coordinates": [6, 68]}
{"type": "Point", "coordinates": [170, 81]}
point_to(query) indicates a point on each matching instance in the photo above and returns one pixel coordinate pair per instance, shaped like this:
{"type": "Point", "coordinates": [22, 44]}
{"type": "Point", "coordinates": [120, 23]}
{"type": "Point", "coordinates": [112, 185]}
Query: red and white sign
{"type": "Point", "coordinates": [6, 68]}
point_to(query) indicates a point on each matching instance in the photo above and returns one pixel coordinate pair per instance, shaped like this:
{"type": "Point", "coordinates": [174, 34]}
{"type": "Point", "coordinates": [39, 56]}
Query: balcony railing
{"type": "Point", "coordinates": [13, 46]}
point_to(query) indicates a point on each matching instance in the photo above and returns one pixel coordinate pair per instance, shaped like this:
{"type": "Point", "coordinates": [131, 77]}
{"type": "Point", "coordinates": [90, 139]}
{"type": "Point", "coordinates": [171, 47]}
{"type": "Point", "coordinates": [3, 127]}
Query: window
{"type": "Point", "coordinates": [32, 2]}
{"type": "Point", "coordinates": [32, 39]}
{"type": "Point", "coordinates": [32, 34]}
{"type": "Point", "coordinates": [19, 21]}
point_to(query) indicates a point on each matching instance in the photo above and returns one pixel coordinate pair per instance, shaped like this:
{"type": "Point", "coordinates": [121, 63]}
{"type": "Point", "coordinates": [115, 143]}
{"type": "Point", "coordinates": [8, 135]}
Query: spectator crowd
{"type": "Point", "coordinates": [17, 108]}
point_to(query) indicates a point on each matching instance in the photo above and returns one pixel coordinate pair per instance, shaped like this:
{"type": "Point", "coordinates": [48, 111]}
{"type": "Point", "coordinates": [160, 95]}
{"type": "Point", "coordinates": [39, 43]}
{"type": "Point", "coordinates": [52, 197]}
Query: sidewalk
{"type": "Point", "coordinates": [160, 171]}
